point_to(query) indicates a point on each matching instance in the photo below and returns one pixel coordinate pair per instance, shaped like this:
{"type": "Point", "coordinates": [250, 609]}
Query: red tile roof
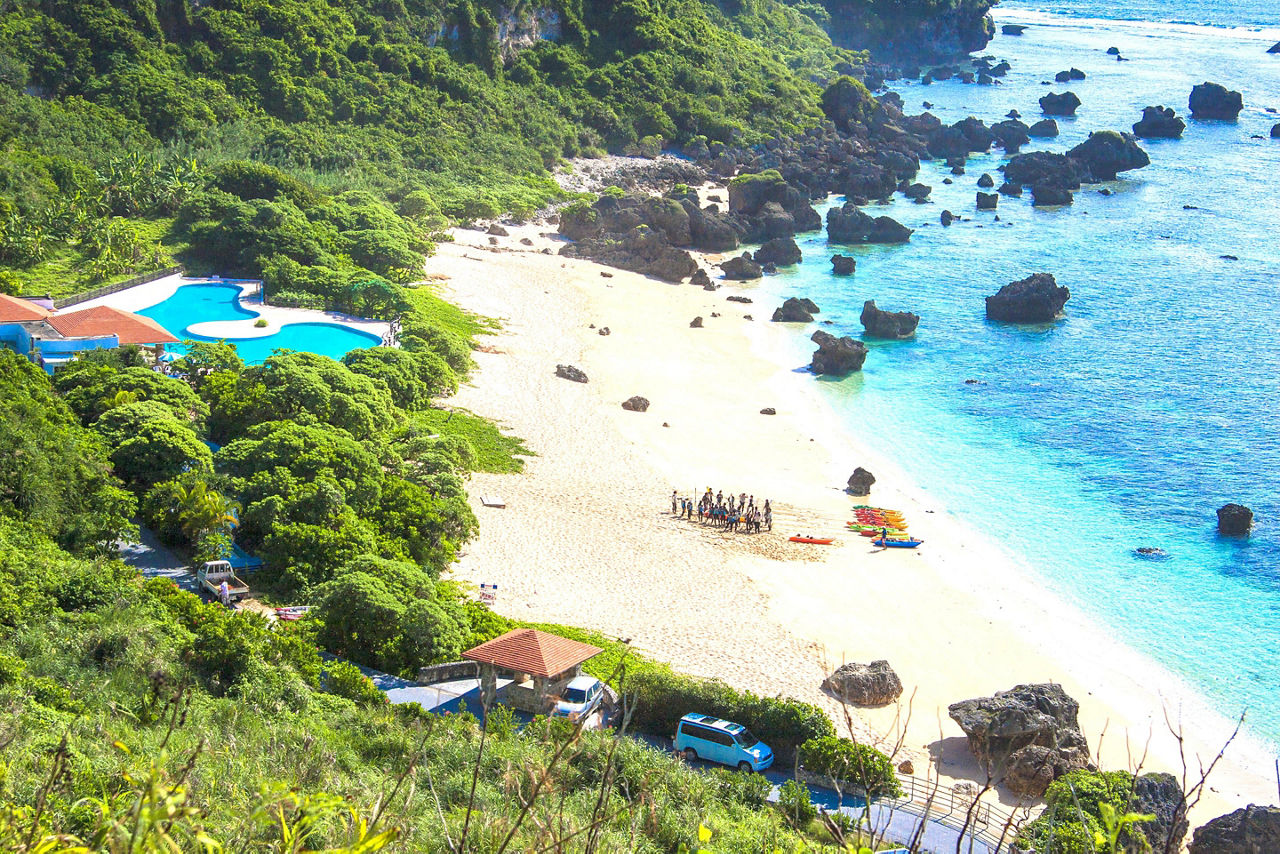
{"type": "Point", "coordinates": [18, 310]}
{"type": "Point", "coordinates": [533, 652]}
{"type": "Point", "coordinates": [105, 320]}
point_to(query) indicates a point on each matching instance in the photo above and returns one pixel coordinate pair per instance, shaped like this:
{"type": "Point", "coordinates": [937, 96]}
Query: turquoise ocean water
{"type": "Point", "coordinates": [1156, 399]}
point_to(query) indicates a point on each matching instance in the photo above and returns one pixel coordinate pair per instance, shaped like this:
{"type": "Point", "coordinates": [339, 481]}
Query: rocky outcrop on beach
{"type": "Point", "coordinates": [860, 482]}
{"type": "Point", "coordinates": [1160, 795]}
{"type": "Point", "coordinates": [1250, 830]}
{"type": "Point", "coordinates": [741, 268]}
{"type": "Point", "coordinates": [1212, 101]}
{"type": "Point", "coordinates": [836, 356]}
{"type": "Point", "coordinates": [848, 224]}
{"type": "Point", "coordinates": [1028, 735]}
{"type": "Point", "coordinates": [1064, 104]}
{"type": "Point", "coordinates": [1045, 128]}
{"type": "Point", "coordinates": [1035, 299]}
{"type": "Point", "coordinates": [782, 251]}
{"type": "Point", "coordinates": [1159, 123]}
{"type": "Point", "coordinates": [887, 324]}
{"type": "Point", "coordinates": [636, 404]}
{"type": "Point", "coordinates": [768, 206]}
{"type": "Point", "coordinates": [637, 233]}
{"type": "Point", "coordinates": [569, 372]}
{"type": "Point", "coordinates": [795, 310]}
{"type": "Point", "coordinates": [1234, 520]}
{"type": "Point", "coordinates": [843, 265]}
{"type": "Point", "coordinates": [873, 684]}
{"type": "Point", "coordinates": [1106, 153]}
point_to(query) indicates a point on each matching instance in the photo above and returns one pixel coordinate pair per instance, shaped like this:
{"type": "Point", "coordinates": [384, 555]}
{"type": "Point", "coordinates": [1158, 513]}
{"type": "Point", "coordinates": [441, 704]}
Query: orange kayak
{"type": "Point", "coordinates": [819, 541]}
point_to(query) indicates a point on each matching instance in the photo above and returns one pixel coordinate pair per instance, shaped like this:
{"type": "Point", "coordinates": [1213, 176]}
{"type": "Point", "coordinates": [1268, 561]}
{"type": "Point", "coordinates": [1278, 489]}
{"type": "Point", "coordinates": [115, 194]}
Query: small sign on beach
{"type": "Point", "coordinates": [492, 501]}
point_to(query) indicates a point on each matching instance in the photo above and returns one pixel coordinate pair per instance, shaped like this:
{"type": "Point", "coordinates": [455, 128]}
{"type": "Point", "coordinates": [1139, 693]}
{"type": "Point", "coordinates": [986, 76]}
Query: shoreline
{"type": "Point", "coordinates": [949, 640]}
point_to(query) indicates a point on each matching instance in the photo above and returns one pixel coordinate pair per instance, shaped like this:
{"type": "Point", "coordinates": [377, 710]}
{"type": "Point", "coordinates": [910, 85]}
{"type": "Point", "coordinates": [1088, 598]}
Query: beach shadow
{"type": "Point", "coordinates": [952, 757]}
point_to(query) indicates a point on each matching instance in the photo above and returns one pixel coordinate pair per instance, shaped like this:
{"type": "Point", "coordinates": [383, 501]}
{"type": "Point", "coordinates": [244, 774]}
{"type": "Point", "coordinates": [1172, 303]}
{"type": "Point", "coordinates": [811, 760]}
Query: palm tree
{"type": "Point", "coordinates": [202, 511]}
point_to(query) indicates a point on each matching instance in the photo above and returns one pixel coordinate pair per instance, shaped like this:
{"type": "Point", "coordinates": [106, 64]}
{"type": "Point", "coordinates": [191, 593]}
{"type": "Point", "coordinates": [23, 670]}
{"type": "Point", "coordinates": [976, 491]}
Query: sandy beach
{"type": "Point", "coordinates": [587, 537]}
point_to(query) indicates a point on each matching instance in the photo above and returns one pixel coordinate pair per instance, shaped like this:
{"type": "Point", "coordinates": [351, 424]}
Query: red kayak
{"type": "Point", "coordinates": [819, 541]}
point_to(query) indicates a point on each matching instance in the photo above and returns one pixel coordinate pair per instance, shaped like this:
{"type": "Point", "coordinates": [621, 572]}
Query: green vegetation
{"type": "Point", "coordinates": [861, 766]}
{"type": "Point", "coordinates": [1088, 812]}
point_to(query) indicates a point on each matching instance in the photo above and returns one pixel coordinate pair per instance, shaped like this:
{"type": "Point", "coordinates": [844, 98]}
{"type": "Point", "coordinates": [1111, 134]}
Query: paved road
{"type": "Point", "coordinates": [150, 557]}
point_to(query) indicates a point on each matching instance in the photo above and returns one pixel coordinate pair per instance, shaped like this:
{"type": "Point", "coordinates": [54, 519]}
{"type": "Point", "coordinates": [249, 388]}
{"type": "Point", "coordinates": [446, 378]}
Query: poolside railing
{"type": "Point", "coordinates": [963, 811]}
{"type": "Point", "coordinates": [75, 299]}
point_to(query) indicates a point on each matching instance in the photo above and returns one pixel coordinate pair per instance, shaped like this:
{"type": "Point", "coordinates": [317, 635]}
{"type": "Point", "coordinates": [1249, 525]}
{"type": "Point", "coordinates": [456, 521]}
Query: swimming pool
{"type": "Point", "coordinates": [202, 303]}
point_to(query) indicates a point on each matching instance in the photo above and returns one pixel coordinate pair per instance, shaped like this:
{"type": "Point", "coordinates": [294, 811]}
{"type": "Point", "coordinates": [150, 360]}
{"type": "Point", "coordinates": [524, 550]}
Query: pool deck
{"type": "Point", "coordinates": [152, 293]}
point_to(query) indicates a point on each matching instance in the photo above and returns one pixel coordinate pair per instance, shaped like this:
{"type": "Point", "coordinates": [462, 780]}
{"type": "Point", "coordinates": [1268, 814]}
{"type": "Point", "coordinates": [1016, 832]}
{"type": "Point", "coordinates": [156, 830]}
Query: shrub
{"type": "Point", "coordinates": [260, 323]}
{"type": "Point", "coordinates": [346, 680]}
{"type": "Point", "coordinates": [782, 723]}
{"type": "Point", "coordinates": [793, 800]}
{"type": "Point", "coordinates": [859, 765]}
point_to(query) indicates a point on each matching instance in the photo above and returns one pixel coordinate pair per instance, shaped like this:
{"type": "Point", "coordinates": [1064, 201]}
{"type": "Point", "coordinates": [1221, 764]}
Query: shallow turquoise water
{"type": "Point", "coordinates": [1152, 403]}
{"type": "Point", "coordinates": [202, 303]}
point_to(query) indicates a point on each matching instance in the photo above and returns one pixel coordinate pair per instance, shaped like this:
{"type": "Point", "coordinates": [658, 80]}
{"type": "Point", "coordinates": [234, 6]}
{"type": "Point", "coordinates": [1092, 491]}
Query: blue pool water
{"type": "Point", "coordinates": [192, 304]}
{"type": "Point", "coordinates": [1153, 402]}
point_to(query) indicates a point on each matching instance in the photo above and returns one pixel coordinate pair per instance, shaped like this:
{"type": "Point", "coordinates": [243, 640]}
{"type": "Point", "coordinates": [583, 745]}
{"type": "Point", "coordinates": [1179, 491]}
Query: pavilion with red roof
{"type": "Point", "coordinates": [51, 338]}
{"type": "Point", "coordinates": [538, 663]}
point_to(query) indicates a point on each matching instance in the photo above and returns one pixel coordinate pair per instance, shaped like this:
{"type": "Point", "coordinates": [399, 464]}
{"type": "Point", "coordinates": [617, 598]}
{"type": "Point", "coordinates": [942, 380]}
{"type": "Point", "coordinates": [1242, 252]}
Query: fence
{"type": "Point", "coordinates": [951, 807]}
{"type": "Point", "coordinates": [74, 299]}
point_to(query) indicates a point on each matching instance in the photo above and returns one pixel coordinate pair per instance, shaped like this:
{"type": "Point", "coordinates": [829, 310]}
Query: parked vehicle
{"type": "Point", "coordinates": [705, 737]}
{"type": "Point", "coordinates": [213, 573]}
{"type": "Point", "coordinates": [581, 697]}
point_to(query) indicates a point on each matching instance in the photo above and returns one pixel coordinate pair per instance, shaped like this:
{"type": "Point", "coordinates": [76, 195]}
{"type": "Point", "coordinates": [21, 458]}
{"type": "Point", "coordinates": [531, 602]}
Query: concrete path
{"type": "Point", "coordinates": [154, 560]}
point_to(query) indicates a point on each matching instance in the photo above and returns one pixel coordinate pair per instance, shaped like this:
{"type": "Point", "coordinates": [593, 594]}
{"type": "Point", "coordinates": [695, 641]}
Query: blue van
{"type": "Point", "coordinates": [704, 737]}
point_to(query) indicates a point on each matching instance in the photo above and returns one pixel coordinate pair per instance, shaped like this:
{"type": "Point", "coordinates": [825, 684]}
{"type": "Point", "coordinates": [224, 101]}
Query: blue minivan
{"type": "Point", "coordinates": [704, 737]}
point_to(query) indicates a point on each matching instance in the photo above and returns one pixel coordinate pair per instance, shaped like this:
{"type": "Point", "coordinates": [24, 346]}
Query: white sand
{"type": "Point", "coordinates": [587, 538]}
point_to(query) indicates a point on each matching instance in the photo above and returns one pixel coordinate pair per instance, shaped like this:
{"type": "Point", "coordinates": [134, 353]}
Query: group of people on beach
{"type": "Point", "coordinates": [733, 513]}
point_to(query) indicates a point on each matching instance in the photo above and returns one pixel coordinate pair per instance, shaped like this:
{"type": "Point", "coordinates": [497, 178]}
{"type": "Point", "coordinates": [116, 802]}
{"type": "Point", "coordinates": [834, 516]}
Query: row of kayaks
{"type": "Point", "coordinates": [886, 528]}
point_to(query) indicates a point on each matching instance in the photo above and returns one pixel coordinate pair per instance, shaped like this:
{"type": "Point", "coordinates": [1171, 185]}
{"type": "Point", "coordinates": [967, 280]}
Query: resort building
{"type": "Point", "coordinates": [50, 338]}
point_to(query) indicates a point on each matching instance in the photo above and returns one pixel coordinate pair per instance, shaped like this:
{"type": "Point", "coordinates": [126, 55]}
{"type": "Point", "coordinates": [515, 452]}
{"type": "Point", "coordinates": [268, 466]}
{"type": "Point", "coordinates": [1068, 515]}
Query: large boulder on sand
{"type": "Point", "coordinates": [1211, 101]}
{"type": "Point", "coordinates": [1159, 123]}
{"type": "Point", "coordinates": [636, 404]}
{"type": "Point", "coordinates": [1064, 104]}
{"type": "Point", "coordinates": [1234, 520]}
{"type": "Point", "coordinates": [848, 224]}
{"type": "Point", "coordinates": [1029, 735]}
{"type": "Point", "coordinates": [1035, 299]}
{"type": "Point", "coordinates": [836, 356]}
{"type": "Point", "coordinates": [888, 324]}
{"type": "Point", "coordinates": [873, 684]}
{"type": "Point", "coordinates": [782, 251]}
{"type": "Point", "coordinates": [1107, 152]}
{"type": "Point", "coordinates": [795, 310]}
{"type": "Point", "coordinates": [569, 372]}
{"type": "Point", "coordinates": [860, 483]}
{"type": "Point", "coordinates": [1250, 830]}
{"type": "Point", "coordinates": [742, 268]}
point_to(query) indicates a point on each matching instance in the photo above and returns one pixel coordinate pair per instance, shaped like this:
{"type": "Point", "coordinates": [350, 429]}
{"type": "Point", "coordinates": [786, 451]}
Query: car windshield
{"type": "Point", "coordinates": [574, 695]}
{"type": "Point", "coordinates": [746, 739]}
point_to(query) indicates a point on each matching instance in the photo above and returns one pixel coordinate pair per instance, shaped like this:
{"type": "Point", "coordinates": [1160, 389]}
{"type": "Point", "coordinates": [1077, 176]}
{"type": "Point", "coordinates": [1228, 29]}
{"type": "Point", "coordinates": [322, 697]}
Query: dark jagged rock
{"type": "Point", "coordinates": [873, 684]}
{"type": "Point", "coordinates": [1106, 153]}
{"type": "Point", "coordinates": [700, 278]}
{"type": "Point", "coordinates": [636, 404]}
{"type": "Point", "coordinates": [860, 482]}
{"type": "Point", "coordinates": [498, 231]}
{"type": "Point", "coordinates": [848, 224]}
{"type": "Point", "coordinates": [1211, 101]}
{"type": "Point", "coordinates": [1011, 134]}
{"type": "Point", "coordinates": [1113, 51]}
{"type": "Point", "coordinates": [795, 310]}
{"type": "Point", "coordinates": [1013, 29]}
{"type": "Point", "coordinates": [887, 324]}
{"type": "Point", "coordinates": [603, 330]}
{"type": "Point", "coordinates": [1035, 299]}
{"type": "Point", "coordinates": [1029, 735]}
{"type": "Point", "coordinates": [1062, 77]}
{"type": "Point", "coordinates": [836, 356]}
{"type": "Point", "coordinates": [696, 323]}
{"type": "Point", "coordinates": [1250, 830]}
{"type": "Point", "coordinates": [782, 251]}
{"type": "Point", "coordinates": [1045, 168]}
{"type": "Point", "coordinates": [749, 194]}
{"type": "Point", "coordinates": [1159, 123]}
{"type": "Point", "coordinates": [1275, 131]}
{"type": "Point", "coordinates": [1064, 104]}
{"type": "Point", "coordinates": [769, 268]}
{"type": "Point", "coordinates": [1009, 188]}
{"type": "Point", "coordinates": [843, 265]}
{"type": "Point", "coordinates": [1013, 114]}
{"type": "Point", "coordinates": [642, 250]}
{"type": "Point", "coordinates": [1275, 48]}
{"type": "Point", "coordinates": [710, 230]}
{"type": "Point", "coordinates": [947, 218]}
{"type": "Point", "coordinates": [1043, 129]}
{"type": "Point", "coordinates": [987, 201]}
{"type": "Point", "coordinates": [1044, 196]}
{"type": "Point", "coordinates": [741, 299]}
{"type": "Point", "coordinates": [918, 192]}
{"type": "Point", "coordinates": [742, 268]}
{"type": "Point", "coordinates": [1234, 520]}
{"type": "Point", "coordinates": [768, 410]}
{"type": "Point", "coordinates": [569, 372]}
{"type": "Point", "coordinates": [1161, 795]}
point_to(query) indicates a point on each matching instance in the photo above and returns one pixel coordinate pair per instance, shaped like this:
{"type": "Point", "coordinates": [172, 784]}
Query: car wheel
{"type": "Point", "coordinates": [745, 767]}
{"type": "Point", "coordinates": [690, 754]}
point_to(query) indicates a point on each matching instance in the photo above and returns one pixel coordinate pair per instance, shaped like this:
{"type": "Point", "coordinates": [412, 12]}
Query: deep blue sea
{"type": "Point", "coordinates": [1156, 399]}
